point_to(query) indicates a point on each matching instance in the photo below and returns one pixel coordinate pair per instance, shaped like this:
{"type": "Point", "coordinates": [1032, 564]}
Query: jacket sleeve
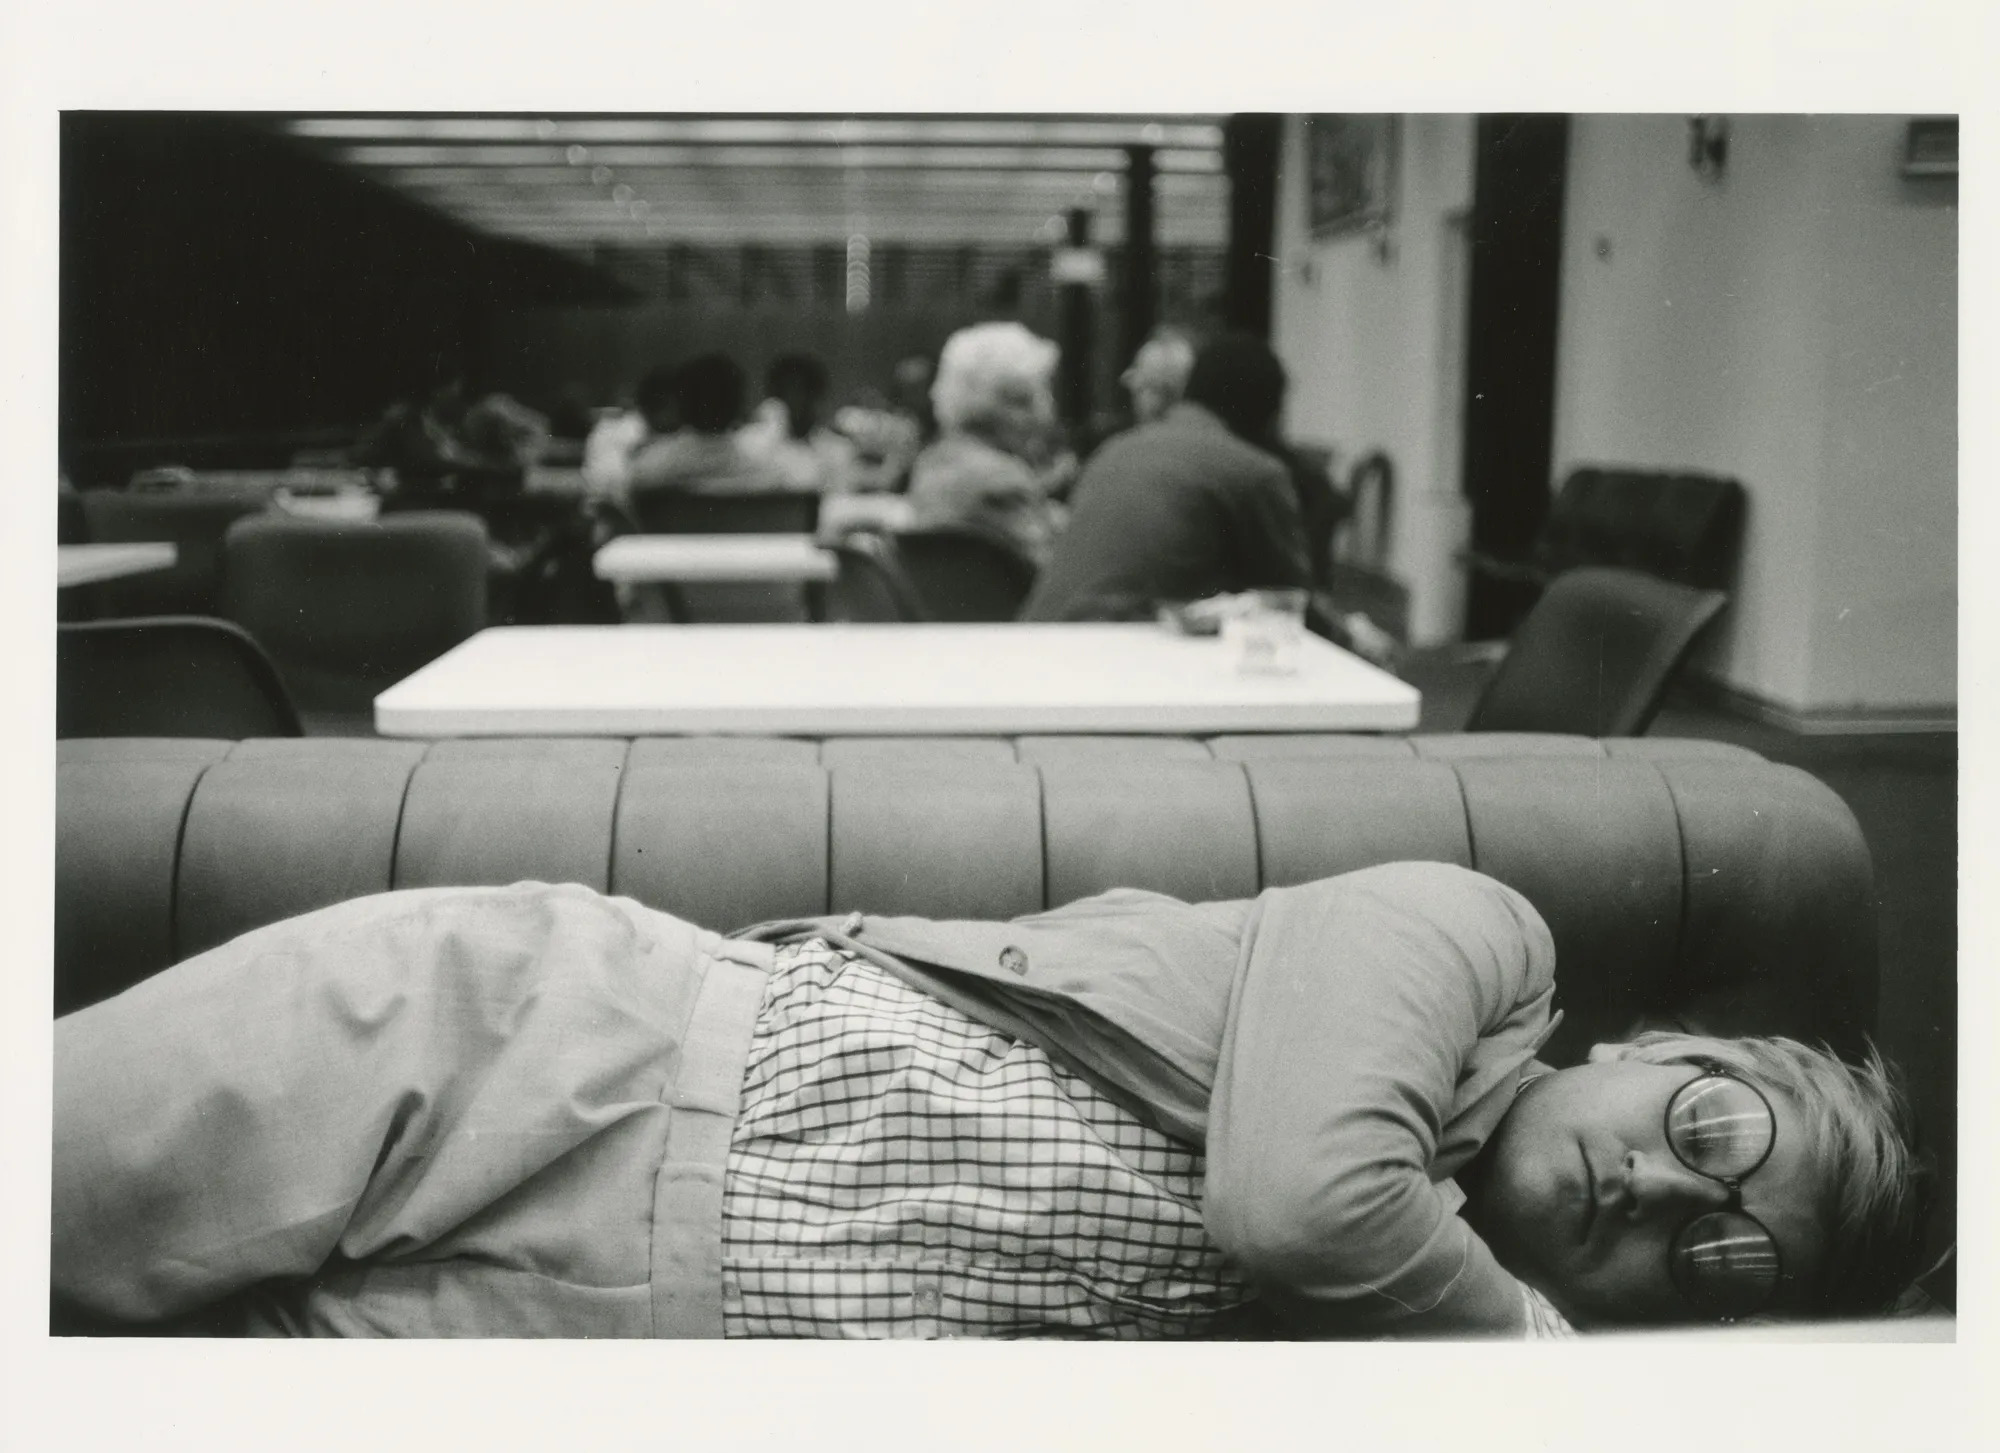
{"type": "Point", "coordinates": [1370, 1014]}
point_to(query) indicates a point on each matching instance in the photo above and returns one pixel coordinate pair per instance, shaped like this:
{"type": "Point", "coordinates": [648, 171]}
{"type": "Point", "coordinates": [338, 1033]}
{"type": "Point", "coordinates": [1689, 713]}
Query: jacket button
{"type": "Point", "coordinates": [1013, 960]}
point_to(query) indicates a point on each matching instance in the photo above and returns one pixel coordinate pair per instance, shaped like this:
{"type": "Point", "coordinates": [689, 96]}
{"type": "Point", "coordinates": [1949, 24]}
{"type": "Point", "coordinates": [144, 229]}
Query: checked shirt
{"type": "Point", "coordinates": [900, 1170]}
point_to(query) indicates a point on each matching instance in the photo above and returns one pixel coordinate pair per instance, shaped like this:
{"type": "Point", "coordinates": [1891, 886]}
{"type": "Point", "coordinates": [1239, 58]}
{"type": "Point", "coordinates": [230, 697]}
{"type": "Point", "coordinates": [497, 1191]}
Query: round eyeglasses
{"type": "Point", "coordinates": [1724, 1262]}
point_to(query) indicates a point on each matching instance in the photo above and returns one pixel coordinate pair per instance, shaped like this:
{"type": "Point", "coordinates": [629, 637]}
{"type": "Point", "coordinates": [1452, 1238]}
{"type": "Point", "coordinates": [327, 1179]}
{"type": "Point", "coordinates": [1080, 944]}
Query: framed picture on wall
{"type": "Point", "coordinates": [1930, 147]}
{"type": "Point", "coordinates": [1350, 172]}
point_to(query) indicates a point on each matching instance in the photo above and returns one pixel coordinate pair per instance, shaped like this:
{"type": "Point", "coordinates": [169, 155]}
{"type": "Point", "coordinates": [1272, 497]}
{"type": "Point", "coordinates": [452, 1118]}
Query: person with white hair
{"type": "Point", "coordinates": [995, 407]}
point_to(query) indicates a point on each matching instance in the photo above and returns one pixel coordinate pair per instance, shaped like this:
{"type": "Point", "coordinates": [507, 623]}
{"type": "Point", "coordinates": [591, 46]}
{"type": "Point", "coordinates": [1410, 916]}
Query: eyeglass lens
{"type": "Point", "coordinates": [1720, 1127]}
{"type": "Point", "coordinates": [1724, 1261]}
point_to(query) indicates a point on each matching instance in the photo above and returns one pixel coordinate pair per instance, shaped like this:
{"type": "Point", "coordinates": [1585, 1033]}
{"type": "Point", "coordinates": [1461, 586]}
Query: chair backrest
{"type": "Point", "coordinates": [689, 512]}
{"type": "Point", "coordinates": [960, 576]}
{"type": "Point", "coordinates": [194, 520]}
{"type": "Point", "coordinates": [1363, 537]}
{"type": "Point", "coordinates": [349, 608]}
{"type": "Point", "coordinates": [1682, 527]}
{"type": "Point", "coordinates": [251, 483]}
{"type": "Point", "coordinates": [871, 585]}
{"type": "Point", "coordinates": [1595, 655]}
{"type": "Point", "coordinates": [72, 527]}
{"type": "Point", "coordinates": [167, 676]}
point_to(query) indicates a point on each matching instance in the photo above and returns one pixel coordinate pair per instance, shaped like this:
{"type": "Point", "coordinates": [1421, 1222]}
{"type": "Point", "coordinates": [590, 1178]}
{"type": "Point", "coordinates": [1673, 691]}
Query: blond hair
{"type": "Point", "coordinates": [981, 364]}
{"type": "Point", "coordinates": [1873, 1185]}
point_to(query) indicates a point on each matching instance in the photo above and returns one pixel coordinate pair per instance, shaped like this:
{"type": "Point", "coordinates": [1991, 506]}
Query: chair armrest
{"type": "Point", "coordinates": [1477, 653]}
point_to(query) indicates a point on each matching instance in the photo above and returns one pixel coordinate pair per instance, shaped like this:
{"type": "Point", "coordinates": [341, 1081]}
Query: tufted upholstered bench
{"type": "Point", "coordinates": [1684, 881]}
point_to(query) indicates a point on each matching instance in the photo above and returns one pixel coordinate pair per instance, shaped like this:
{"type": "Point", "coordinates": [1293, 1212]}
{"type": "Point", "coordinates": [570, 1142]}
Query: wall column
{"type": "Point", "coordinates": [1250, 145]}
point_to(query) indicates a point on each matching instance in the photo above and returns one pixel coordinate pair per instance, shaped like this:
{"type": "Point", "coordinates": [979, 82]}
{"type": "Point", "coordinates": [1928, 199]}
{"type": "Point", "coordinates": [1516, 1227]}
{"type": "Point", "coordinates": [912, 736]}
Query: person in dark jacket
{"type": "Point", "coordinates": [1187, 507]}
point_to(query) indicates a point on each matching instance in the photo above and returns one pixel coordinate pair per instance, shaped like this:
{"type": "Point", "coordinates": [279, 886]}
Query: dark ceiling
{"type": "Point", "coordinates": [579, 183]}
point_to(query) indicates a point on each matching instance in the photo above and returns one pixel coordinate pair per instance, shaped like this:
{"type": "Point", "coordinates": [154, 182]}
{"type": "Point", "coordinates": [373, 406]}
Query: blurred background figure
{"type": "Point", "coordinates": [704, 453]}
{"type": "Point", "coordinates": [1157, 380]}
{"type": "Point", "coordinates": [786, 435]}
{"type": "Point", "coordinates": [417, 437]}
{"type": "Point", "coordinates": [502, 431]}
{"type": "Point", "coordinates": [889, 433]}
{"type": "Point", "coordinates": [910, 396]}
{"type": "Point", "coordinates": [448, 449]}
{"type": "Point", "coordinates": [995, 407]}
{"type": "Point", "coordinates": [1187, 506]}
{"type": "Point", "coordinates": [570, 421]}
{"type": "Point", "coordinates": [607, 453]}
{"type": "Point", "coordinates": [1159, 374]}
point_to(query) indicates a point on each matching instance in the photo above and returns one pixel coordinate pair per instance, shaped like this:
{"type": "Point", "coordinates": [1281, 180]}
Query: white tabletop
{"type": "Point", "coordinates": [655, 559]}
{"type": "Point", "coordinates": [88, 564]}
{"type": "Point", "coordinates": [847, 680]}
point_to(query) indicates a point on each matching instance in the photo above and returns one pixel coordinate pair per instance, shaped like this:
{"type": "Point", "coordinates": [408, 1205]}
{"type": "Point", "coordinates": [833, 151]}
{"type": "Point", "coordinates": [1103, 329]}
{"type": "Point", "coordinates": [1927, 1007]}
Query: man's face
{"type": "Point", "coordinates": [1580, 1195]}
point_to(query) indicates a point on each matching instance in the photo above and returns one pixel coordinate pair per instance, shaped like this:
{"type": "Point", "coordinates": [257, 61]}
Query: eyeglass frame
{"type": "Point", "coordinates": [1715, 1070]}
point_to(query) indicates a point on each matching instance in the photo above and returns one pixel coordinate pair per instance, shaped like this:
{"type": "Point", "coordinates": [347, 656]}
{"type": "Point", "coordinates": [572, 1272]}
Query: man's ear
{"type": "Point", "coordinates": [1602, 1054]}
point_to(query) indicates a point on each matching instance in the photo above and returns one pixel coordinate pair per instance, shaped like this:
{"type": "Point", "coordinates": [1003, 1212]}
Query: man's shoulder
{"type": "Point", "coordinates": [1189, 448]}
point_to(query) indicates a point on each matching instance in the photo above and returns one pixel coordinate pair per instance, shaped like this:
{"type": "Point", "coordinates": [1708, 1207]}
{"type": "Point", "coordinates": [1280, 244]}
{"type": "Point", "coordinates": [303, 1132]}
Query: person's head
{"type": "Point", "coordinates": [1159, 374]}
{"type": "Point", "coordinates": [799, 382]}
{"type": "Point", "coordinates": [500, 432]}
{"type": "Point", "coordinates": [1239, 380]}
{"type": "Point", "coordinates": [657, 398]}
{"type": "Point", "coordinates": [994, 381]}
{"type": "Point", "coordinates": [1594, 1187]}
{"type": "Point", "coordinates": [710, 387]}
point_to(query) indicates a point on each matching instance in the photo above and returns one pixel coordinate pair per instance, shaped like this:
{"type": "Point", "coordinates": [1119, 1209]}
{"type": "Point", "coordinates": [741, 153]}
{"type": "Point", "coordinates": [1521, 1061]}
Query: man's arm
{"type": "Point", "coordinates": [1373, 1012]}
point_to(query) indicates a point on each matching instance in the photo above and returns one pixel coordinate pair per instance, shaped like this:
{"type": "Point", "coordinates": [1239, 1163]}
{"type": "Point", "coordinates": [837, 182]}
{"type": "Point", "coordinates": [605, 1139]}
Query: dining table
{"type": "Point", "coordinates": [691, 559]}
{"type": "Point", "coordinates": [849, 679]}
{"type": "Point", "coordinates": [91, 564]}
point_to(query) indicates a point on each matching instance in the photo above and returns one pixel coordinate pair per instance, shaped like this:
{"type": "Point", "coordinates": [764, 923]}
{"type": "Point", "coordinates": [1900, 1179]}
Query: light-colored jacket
{"type": "Point", "coordinates": [506, 1111]}
{"type": "Point", "coordinates": [1340, 1049]}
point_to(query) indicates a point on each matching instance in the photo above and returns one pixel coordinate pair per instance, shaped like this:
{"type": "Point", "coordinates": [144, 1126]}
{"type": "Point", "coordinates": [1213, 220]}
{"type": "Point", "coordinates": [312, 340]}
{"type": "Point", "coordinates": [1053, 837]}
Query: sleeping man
{"type": "Point", "coordinates": [538, 1111]}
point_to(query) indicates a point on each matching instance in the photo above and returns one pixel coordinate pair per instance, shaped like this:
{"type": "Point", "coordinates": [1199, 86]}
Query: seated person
{"type": "Point", "coordinates": [996, 419]}
{"type": "Point", "coordinates": [454, 448]}
{"type": "Point", "coordinates": [1185, 507]}
{"type": "Point", "coordinates": [704, 455]}
{"type": "Point", "coordinates": [614, 439]}
{"type": "Point", "coordinates": [785, 433]}
{"type": "Point", "coordinates": [539, 1111]}
{"type": "Point", "coordinates": [1157, 380]}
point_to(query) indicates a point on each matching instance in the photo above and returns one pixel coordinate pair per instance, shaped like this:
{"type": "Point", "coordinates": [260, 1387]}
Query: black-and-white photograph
{"type": "Point", "coordinates": [1238, 725]}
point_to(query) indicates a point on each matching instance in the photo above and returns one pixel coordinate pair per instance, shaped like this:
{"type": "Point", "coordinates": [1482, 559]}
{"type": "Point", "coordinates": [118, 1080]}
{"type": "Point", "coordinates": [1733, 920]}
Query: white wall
{"type": "Point", "coordinates": [1375, 347]}
{"type": "Point", "coordinates": [1792, 325]}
